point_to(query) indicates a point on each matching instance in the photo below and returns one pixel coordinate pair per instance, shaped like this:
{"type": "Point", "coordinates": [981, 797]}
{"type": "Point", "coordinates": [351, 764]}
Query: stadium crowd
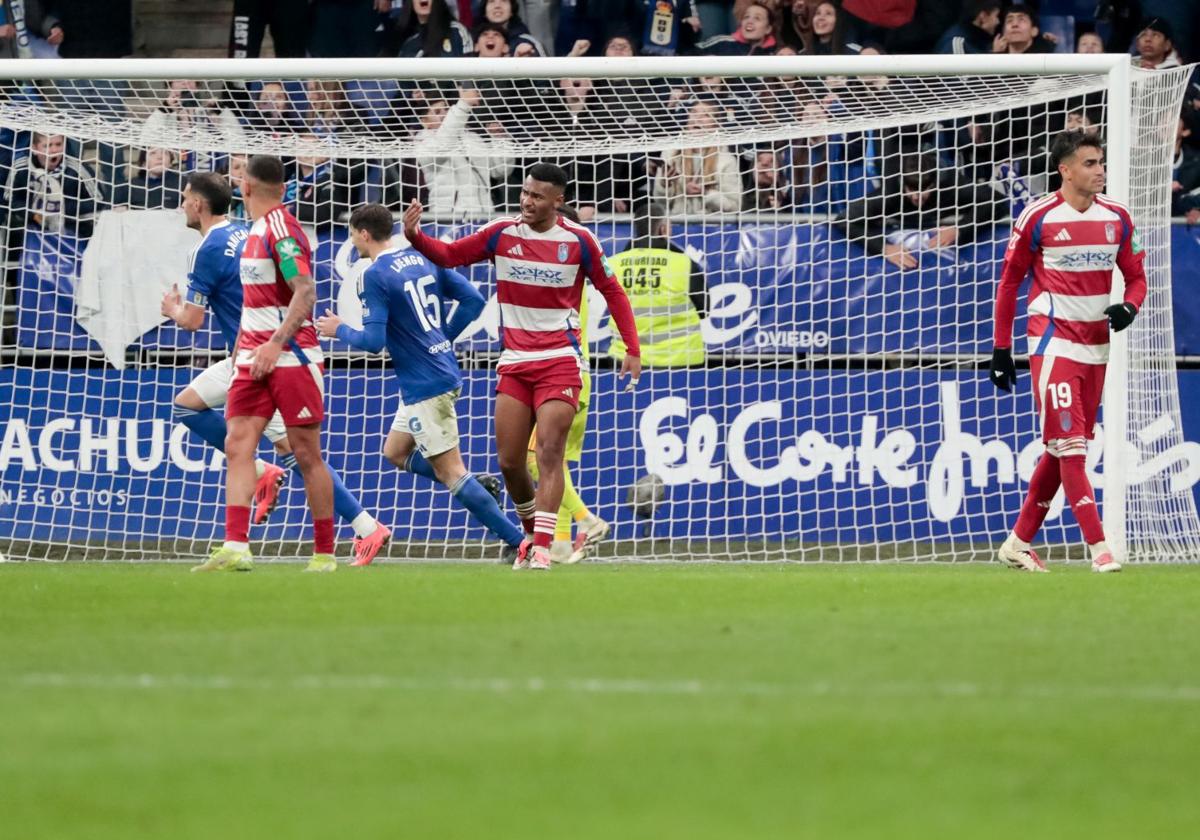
{"type": "Point", "coordinates": [55, 184]}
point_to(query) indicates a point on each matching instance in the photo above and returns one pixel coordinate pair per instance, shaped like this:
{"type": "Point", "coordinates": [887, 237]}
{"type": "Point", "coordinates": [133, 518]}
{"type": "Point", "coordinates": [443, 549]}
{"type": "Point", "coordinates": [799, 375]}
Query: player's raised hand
{"type": "Point", "coordinates": [470, 96]}
{"type": "Point", "coordinates": [412, 219]}
{"type": "Point", "coordinates": [327, 324]}
{"type": "Point", "coordinates": [1002, 371]}
{"type": "Point", "coordinates": [171, 302]}
{"type": "Point", "coordinates": [632, 366]}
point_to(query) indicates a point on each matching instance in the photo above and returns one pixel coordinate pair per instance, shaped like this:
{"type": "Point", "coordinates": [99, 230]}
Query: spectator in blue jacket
{"type": "Point", "coordinates": [425, 29]}
{"type": "Point", "coordinates": [1020, 34]}
{"type": "Point", "coordinates": [49, 191]}
{"type": "Point", "coordinates": [503, 15]}
{"type": "Point", "coordinates": [755, 34]}
{"type": "Point", "coordinates": [491, 41]}
{"type": "Point", "coordinates": [976, 33]}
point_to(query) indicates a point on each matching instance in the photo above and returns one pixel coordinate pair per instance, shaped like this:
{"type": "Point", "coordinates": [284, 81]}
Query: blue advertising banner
{"type": "Point", "coordinates": [1185, 282]}
{"type": "Point", "coordinates": [790, 289]}
{"type": "Point", "coordinates": [818, 456]}
{"type": "Point", "coordinates": [773, 289]}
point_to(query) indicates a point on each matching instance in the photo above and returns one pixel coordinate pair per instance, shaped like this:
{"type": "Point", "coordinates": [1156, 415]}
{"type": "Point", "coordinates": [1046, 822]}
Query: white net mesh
{"type": "Point", "coordinates": [838, 410]}
{"type": "Point", "coordinates": [1161, 510]}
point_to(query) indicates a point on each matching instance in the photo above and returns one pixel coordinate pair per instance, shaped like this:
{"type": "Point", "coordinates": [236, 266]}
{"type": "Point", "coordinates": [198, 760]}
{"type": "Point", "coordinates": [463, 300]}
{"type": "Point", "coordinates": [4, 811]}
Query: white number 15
{"type": "Point", "coordinates": [424, 301]}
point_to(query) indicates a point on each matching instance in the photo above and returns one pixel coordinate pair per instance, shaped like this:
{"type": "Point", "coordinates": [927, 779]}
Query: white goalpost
{"type": "Point", "coordinates": [842, 221]}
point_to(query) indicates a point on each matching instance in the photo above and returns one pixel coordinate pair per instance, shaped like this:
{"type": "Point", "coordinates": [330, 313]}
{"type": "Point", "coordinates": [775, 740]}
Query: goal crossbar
{"type": "Point", "coordinates": [162, 69]}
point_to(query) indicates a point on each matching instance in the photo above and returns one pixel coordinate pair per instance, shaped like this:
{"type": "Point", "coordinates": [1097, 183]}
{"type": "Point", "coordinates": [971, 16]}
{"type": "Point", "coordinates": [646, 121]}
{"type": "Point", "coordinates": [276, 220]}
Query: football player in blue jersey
{"type": "Point", "coordinates": [402, 295]}
{"type": "Point", "coordinates": [214, 282]}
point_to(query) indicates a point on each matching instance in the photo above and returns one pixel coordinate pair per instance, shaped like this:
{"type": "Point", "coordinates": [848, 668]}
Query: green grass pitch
{"type": "Point", "coordinates": [608, 701]}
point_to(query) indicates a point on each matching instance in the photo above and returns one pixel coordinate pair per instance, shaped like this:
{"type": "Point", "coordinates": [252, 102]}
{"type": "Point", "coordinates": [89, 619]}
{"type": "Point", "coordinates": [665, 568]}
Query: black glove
{"type": "Point", "coordinates": [1002, 371]}
{"type": "Point", "coordinates": [1120, 315]}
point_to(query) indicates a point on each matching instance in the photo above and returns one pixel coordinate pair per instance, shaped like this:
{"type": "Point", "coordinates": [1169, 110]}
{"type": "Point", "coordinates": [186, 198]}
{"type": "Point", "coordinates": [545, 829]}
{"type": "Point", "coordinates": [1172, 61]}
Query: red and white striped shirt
{"type": "Point", "coordinates": [276, 250]}
{"type": "Point", "coordinates": [539, 284]}
{"type": "Point", "coordinates": [1072, 255]}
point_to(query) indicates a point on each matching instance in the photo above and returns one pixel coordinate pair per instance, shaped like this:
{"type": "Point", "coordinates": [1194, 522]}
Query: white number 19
{"type": "Point", "coordinates": [1060, 394]}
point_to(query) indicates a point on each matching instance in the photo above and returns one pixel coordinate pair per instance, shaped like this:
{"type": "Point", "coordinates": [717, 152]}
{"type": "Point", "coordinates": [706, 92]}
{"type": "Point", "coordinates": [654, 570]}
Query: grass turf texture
{"type": "Point", "coordinates": [598, 702]}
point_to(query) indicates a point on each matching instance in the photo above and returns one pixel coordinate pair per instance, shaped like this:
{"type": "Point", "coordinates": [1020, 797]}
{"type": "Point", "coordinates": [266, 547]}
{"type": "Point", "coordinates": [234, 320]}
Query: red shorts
{"type": "Point", "coordinates": [297, 393]}
{"type": "Point", "coordinates": [1067, 394]}
{"type": "Point", "coordinates": [534, 383]}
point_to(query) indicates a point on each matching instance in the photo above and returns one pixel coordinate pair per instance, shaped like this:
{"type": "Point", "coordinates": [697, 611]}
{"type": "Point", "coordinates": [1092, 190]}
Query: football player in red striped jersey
{"type": "Point", "coordinates": [542, 260]}
{"type": "Point", "coordinates": [279, 368]}
{"type": "Point", "coordinates": [1071, 240]}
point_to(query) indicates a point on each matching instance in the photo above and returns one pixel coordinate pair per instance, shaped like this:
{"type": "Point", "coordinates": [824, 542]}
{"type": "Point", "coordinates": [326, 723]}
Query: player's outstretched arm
{"type": "Point", "coordinates": [370, 338]}
{"type": "Point", "coordinates": [472, 248]}
{"type": "Point", "coordinates": [373, 335]}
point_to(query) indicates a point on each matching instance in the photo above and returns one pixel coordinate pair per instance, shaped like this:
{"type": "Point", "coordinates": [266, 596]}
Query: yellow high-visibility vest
{"type": "Point", "coordinates": [657, 282]}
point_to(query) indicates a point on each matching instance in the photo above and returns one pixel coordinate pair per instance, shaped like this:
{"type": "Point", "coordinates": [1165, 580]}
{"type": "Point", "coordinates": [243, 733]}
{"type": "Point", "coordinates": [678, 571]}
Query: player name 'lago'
{"type": "Point", "coordinates": [880, 457]}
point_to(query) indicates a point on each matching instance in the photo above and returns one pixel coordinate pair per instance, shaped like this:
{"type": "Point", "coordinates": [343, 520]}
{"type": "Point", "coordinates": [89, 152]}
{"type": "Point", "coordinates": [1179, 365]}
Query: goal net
{"type": "Point", "coordinates": [821, 395]}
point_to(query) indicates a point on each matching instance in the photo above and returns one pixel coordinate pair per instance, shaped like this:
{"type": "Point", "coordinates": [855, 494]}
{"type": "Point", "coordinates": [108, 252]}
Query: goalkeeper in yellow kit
{"type": "Point", "coordinates": [592, 529]}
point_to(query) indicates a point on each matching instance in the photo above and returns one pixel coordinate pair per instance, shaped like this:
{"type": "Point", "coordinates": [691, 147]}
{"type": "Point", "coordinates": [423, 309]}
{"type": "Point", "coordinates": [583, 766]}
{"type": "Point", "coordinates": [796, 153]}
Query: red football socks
{"type": "Point", "coordinates": [1083, 501]}
{"type": "Point", "coordinates": [237, 523]}
{"type": "Point", "coordinates": [1043, 484]}
{"type": "Point", "coordinates": [323, 536]}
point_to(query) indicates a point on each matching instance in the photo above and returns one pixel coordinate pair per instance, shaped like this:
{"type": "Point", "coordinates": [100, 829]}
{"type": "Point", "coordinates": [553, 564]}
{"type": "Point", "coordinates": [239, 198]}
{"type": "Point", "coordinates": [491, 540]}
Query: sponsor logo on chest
{"type": "Point", "coordinates": [1085, 258]}
{"type": "Point", "coordinates": [536, 273]}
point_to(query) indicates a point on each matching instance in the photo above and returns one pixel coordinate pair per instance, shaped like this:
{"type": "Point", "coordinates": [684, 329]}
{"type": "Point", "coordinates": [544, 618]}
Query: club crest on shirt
{"type": "Point", "coordinates": [562, 252]}
{"type": "Point", "coordinates": [1065, 420]}
{"type": "Point", "coordinates": [1110, 233]}
{"type": "Point", "coordinates": [287, 248]}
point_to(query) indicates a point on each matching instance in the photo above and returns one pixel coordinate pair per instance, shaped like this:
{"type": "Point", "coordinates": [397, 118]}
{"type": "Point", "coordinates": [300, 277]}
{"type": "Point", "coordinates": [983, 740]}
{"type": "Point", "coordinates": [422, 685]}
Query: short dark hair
{"type": "Point", "coordinates": [1160, 25]}
{"type": "Point", "coordinates": [1022, 9]}
{"type": "Point", "coordinates": [266, 169]}
{"type": "Point", "coordinates": [548, 173]}
{"type": "Point", "coordinates": [375, 219]}
{"type": "Point", "coordinates": [490, 27]}
{"type": "Point", "coordinates": [1069, 142]}
{"type": "Point", "coordinates": [213, 188]}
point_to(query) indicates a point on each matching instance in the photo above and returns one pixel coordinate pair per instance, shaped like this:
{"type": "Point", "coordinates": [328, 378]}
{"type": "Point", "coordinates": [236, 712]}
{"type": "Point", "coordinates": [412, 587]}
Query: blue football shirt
{"type": "Point", "coordinates": [405, 291]}
{"type": "Point", "coordinates": [214, 276]}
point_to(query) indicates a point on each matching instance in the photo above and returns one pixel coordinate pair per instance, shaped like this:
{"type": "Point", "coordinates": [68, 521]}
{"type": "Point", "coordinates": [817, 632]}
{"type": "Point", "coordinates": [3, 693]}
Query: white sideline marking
{"type": "Point", "coordinates": [601, 685]}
